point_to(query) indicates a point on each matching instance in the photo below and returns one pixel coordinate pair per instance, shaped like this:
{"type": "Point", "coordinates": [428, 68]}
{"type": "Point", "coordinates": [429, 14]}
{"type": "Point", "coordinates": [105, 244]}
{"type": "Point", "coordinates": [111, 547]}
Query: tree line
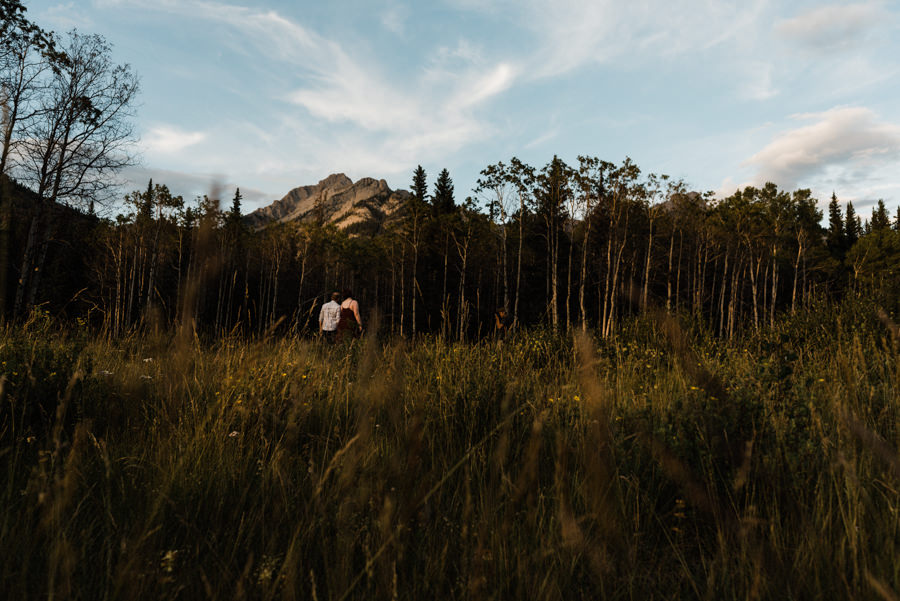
{"type": "Point", "coordinates": [568, 247]}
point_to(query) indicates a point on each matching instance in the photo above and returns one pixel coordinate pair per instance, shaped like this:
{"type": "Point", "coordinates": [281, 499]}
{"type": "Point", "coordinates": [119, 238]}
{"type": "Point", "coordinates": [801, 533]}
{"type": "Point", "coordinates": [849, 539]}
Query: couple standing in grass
{"type": "Point", "coordinates": [338, 322]}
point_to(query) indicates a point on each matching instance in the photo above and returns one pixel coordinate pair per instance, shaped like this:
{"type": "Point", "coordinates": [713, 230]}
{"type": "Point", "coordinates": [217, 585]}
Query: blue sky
{"type": "Point", "coordinates": [274, 94]}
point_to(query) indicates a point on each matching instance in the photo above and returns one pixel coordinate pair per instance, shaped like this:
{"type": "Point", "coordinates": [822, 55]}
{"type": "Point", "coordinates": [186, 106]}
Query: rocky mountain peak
{"type": "Point", "coordinates": [366, 205]}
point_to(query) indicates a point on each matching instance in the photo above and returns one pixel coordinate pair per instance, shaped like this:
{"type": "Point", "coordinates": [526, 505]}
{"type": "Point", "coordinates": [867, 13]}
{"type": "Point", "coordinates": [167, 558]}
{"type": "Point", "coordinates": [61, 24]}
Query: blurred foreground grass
{"type": "Point", "coordinates": [661, 464]}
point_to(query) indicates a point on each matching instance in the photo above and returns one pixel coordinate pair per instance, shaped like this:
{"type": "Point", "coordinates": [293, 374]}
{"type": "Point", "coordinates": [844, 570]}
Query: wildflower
{"type": "Point", "coordinates": [267, 569]}
{"type": "Point", "coordinates": [576, 398]}
{"type": "Point", "coordinates": [233, 434]}
{"type": "Point", "coordinates": [304, 376]}
{"type": "Point", "coordinates": [283, 374]}
{"type": "Point", "coordinates": [30, 439]}
{"type": "Point", "coordinates": [146, 377]}
{"type": "Point", "coordinates": [694, 388]}
{"type": "Point", "coordinates": [104, 372]}
{"type": "Point", "coordinates": [148, 360]}
{"type": "Point", "coordinates": [821, 380]}
{"type": "Point", "coordinates": [167, 561]}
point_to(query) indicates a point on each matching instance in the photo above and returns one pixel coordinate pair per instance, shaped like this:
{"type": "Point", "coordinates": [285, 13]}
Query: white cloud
{"type": "Point", "coordinates": [574, 33]}
{"type": "Point", "coordinates": [167, 139]}
{"type": "Point", "coordinates": [486, 85]}
{"type": "Point", "coordinates": [841, 140]}
{"type": "Point", "coordinates": [833, 27]}
{"type": "Point", "coordinates": [412, 117]}
{"type": "Point", "coordinates": [63, 17]}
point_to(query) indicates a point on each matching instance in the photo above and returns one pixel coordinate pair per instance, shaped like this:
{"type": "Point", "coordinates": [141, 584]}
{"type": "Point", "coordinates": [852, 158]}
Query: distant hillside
{"type": "Point", "coordinates": [367, 205]}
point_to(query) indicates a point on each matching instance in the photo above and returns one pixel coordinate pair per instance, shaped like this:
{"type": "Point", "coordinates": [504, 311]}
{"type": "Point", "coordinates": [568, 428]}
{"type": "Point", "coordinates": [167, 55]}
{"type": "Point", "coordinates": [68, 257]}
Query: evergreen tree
{"type": "Point", "coordinates": [419, 186]}
{"type": "Point", "coordinates": [837, 239]}
{"type": "Point", "coordinates": [853, 227]}
{"type": "Point", "coordinates": [147, 202]}
{"type": "Point", "coordinates": [233, 216]}
{"type": "Point", "coordinates": [897, 220]}
{"type": "Point", "coordinates": [443, 201]}
{"type": "Point", "coordinates": [880, 220]}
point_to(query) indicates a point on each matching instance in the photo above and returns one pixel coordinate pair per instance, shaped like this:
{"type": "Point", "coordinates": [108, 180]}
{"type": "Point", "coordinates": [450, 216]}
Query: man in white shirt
{"type": "Point", "coordinates": [329, 316]}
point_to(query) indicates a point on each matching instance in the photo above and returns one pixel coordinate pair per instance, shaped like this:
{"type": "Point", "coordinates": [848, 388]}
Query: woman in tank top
{"type": "Point", "coordinates": [350, 323]}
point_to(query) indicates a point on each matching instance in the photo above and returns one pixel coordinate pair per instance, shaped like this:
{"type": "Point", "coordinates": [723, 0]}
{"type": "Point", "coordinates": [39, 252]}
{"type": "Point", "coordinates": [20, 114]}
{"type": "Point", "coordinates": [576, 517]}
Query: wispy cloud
{"type": "Point", "coordinates": [542, 139]}
{"type": "Point", "coordinates": [574, 33]}
{"type": "Point", "coordinates": [833, 27]}
{"type": "Point", "coordinates": [409, 117]}
{"type": "Point", "coordinates": [841, 140]}
{"type": "Point", "coordinates": [64, 16]}
{"type": "Point", "coordinates": [167, 139]}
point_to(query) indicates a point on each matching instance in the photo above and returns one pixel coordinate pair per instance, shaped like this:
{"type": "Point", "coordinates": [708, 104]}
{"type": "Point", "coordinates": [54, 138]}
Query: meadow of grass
{"type": "Point", "coordinates": [662, 464]}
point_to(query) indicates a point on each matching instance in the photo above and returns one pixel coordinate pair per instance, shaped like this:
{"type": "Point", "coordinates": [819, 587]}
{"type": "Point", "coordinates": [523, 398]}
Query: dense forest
{"type": "Point", "coordinates": [566, 246]}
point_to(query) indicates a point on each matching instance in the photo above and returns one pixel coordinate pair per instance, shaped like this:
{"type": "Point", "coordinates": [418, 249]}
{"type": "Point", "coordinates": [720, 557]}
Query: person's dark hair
{"type": "Point", "coordinates": [347, 293]}
{"type": "Point", "coordinates": [335, 296]}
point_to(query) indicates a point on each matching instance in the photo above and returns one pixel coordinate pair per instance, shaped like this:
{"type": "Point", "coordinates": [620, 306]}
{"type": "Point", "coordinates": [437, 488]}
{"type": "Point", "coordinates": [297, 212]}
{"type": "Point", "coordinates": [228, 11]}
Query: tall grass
{"type": "Point", "coordinates": [661, 464]}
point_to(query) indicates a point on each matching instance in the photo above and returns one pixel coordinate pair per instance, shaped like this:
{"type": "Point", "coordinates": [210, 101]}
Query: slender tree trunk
{"type": "Point", "coordinates": [608, 285]}
{"type": "Point", "coordinates": [519, 259]}
{"type": "Point", "coordinates": [446, 324]}
{"type": "Point", "coordinates": [647, 268]}
{"type": "Point", "coordinates": [615, 281]}
{"type": "Point", "coordinates": [722, 296]}
{"type": "Point", "coordinates": [554, 276]}
{"type": "Point", "coordinates": [774, 286]}
{"type": "Point", "coordinates": [402, 289]}
{"type": "Point", "coordinates": [583, 281]}
{"type": "Point", "coordinates": [669, 273]}
{"type": "Point", "coordinates": [569, 280]}
{"type": "Point", "coordinates": [393, 289]}
{"type": "Point", "coordinates": [754, 276]}
{"type": "Point", "coordinates": [505, 278]}
{"type": "Point", "coordinates": [25, 273]}
{"type": "Point", "coordinates": [678, 270]}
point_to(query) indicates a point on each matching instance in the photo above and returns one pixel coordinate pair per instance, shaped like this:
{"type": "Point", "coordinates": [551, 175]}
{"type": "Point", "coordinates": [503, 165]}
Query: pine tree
{"type": "Point", "coordinates": [419, 186]}
{"type": "Point", "coordinates": [443, 201]}
{"type": "Point", "coordinates": [880, 220]}
{"type": "Point", "coordinates": [852, 226]}
{"type": "Point", "coordinates": [146, 204]}
{"type": "Point", "coordinates": [897, 220]}
{"type": "Point", "coordinates": [234, 215]}
{"type": "Point", "coordinates": [837, 240]}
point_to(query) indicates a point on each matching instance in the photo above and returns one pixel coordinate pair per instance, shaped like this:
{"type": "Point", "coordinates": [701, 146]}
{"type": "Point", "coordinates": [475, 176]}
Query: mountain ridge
{"type": "Point", "coordinates": [367, 204]}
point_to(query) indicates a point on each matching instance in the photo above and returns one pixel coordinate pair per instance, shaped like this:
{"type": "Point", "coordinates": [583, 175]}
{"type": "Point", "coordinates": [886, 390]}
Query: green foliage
{"type": "Point", "coordinates": [419, 185]}
{"type": "Point", "coordinates": [880, 218]}
{"type": "Point", "coordinates": [853, 228]}
{"type": "Point", "coordinates": [442, 200]}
